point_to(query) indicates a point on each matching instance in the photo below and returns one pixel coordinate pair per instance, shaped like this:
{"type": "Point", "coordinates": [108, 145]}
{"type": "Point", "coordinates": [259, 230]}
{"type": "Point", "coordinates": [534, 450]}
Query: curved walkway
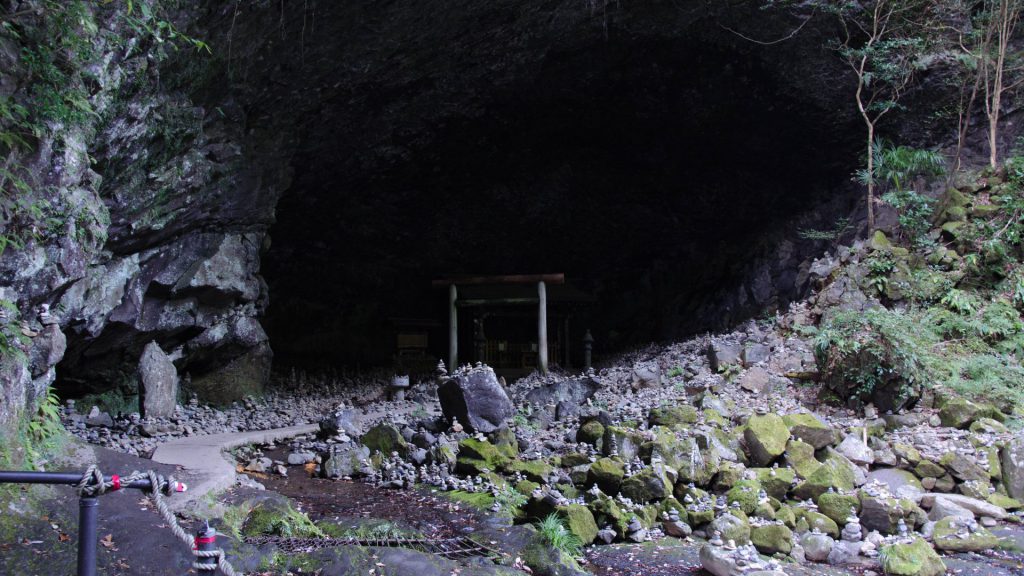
{"type": "Point", "coordinates": [207, 470]}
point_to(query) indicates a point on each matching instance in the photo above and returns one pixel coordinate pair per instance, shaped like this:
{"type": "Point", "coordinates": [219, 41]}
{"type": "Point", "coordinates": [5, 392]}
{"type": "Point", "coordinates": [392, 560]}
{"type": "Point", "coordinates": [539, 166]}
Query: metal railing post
{"type": "Point", "coordinates": [206, 541]}
{"type": "Point", "coordinates": [88, 508]}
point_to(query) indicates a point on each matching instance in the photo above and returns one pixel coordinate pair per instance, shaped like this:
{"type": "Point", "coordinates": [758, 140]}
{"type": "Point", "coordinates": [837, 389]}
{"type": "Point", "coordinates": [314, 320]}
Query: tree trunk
{"type": "Point", "coordinates": [871, 177]}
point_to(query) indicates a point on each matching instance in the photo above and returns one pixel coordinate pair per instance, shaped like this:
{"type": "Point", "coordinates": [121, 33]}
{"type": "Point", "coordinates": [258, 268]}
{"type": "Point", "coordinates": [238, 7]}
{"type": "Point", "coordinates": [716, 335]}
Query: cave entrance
{"type": "Point", "coordinates": [657, 173]}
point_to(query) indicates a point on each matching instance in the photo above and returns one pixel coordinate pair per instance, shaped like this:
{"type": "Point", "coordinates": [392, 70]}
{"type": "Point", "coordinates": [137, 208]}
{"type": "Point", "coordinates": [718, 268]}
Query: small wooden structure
{"type": "Point", "coordinates": [501, 345]}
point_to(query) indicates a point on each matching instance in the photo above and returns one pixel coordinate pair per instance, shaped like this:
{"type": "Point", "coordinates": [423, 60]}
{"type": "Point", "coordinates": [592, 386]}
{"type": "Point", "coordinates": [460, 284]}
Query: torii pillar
{"type": "Point", "coordinates": [542, 328]}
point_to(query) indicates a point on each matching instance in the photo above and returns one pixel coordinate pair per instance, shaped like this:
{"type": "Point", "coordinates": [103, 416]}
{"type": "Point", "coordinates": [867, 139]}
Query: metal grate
{"type": "Point", "coordinates": [450, 548]}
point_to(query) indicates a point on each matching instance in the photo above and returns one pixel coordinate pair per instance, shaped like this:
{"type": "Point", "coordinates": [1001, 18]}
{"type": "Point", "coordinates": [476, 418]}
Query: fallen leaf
{"type": "Point", "coordinates": [63, 537]}
{"type": "Point", "coordinates": [108, 542]}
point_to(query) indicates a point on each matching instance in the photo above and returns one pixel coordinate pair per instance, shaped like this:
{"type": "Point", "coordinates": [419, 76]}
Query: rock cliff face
{"type": "Point", "coordinates": [647, 143]}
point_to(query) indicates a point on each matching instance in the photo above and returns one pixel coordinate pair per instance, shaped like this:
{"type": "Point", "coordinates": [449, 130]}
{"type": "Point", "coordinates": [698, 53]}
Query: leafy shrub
{"type": "Point", "coordinates": [876, 356]}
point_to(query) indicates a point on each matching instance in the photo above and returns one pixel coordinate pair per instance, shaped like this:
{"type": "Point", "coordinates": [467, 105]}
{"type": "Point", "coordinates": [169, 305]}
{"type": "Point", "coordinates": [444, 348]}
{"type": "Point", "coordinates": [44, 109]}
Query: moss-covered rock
{"type": "Point", "coordinates": [732, 527]}
{"type": "Point", "coordinates": [695, 465]}
{"type": "Point", "coordinates": [728, 474]}
{"type": "Point", "coordinates": [673, 416]}
{"type": "Point", "coordinates": [950, 536]}
{"type": "Point", "coordinates": [775, 481]}
{"type": "Point", "coordinates": [786, 515]}
{"type": "Point", "coordinates": [625, 441]}
{"type": "Point", "coordinates": [745, 492]}
{"type": "Point", "coordinates": [385, 439]}
{"type": "Point", "coordinates": [607, 513]}
{"type": "Point", "coordinates": [963, 467]}
{"type": "Point", "coordinates": [607, 473]}
{"type": "Point", "coordinates": [808, 428]}
{"type": "Point", "coordinates": [906, 453]}
{"type": "Point", "coordinates": [766, 437]}
{"type": "Point", "coordinates": [274, 517]}
{"type": "Point", "coordinates": [1004, 501]}
{"type": "Point", "coordinates": [504, 439]}
{"type": "Point", "coordinates": [837, 506]}
{"type": "Point", "coordinates": [476, 456]}
{"type": "Point", "coordinates": [649, 485]}
{"type": "Point", "coordinates": [914, 559]}
{"type": "Point", "coordinates": [817, 520]}
{"type": "Point", "coordinates": [536, 470]}
{"type": "Point", "coordinates": [591, 433]}
{"type": "Point", "coordinates": [929, 469]}
{"type": "Point", "coordinates": [959, 412]}
{"type": "Point", "coordinates": [580, 521]}
{"type": "Point", "coordinates": [772, 538]}
{"type": "Point", "coordinates": [833, 473]}
{"type": "Point", "coordinates": [800, 457]}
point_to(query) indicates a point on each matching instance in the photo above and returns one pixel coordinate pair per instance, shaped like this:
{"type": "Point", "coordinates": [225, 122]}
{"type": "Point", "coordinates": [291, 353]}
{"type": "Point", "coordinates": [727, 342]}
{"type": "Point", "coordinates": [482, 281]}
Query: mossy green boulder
{"type": "Point", "coordinates": [951, 536]}
{"type": "Point", "coordinates": [672, 416]}
{"type": "Point", "coordinates": [906, 453]}
{"type": "Point", "coordinates": [775, 481]}
{"type": "Point", "coordinates": [728, 474]}
{"type": "Point", "coordinates": [607, 473]}
{"type": "Point", "coordinates": [817, 520]}
{"type": "Point", "coordinates": [745, 492]}
{"type": "Point", "coordinates": [833, 473]}
{"type": "Point", "coordinates": [731, 527]}
{"type": "Point", "coordinates": [914, 559]}
{"type": "Point", "coordinates": [648, 485]}
{"type": "Point", "coordinates": [837, 506]}
{"type": "Point", "coordinates": [960, 413]}
{"type": "Point", "coordinates": [929, 469]}
{"type": "Point", "coordinates": [591, 433]}
{"type": "Point", "coordinates": [800, 457]}
{"type": "Point", "coordinates": [385, 439]}
{"type": "Point", "coordinates": [607, 513]}
{"type": "Point", "coordinates": [580, 521]}
{"type": "Point", "coordinates": [625, 441]}
{"type": "Point", "coordinates": [695, 465]}
{"type": "Point", "coordinates": [810, 429]}
{"type": "Point", "coordinates": [766, 437]}
{"type": "Point", "coordinates": [475, 456]}
{"type": "Point", "coordinates": [772, 538]}
{"type": "Point", "coordinates": [536, 470]}
{"type": "Point", "coordinates": [504, 439]}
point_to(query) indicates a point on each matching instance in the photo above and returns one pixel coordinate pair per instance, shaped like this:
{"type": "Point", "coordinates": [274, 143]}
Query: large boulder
{"type": "Point", "coordinates": [474, 396]}
{"type": "Point", "coordinates": [385, 439]}
{"type": "Point", "coordinates": [766, 437]}
{"type": "Point", "coordinates": [571, 394]}
{"type": "Point", "coordinates": [580, 521]}
{"type": "Point", "coordinates": [900, 482]}
{"type": "Point", "coordinates": [856, 450]}
{"type": "Point", "coordinates": [810, 429]}
{"type": "Point", "coordinates": [346, 460]}
{"type": "Point", "coordinates": [772, 538]}
{"type": "Point", "coordinates": [953, 535]}
{"type": "Point", "coordinates": [158, 380]}
{"type": "Point", "coordinates": [1012, 463]}
{"type": "Point", "coordinates": [339, 421]}
{"type": "Point", "coordinates": [914, 559]}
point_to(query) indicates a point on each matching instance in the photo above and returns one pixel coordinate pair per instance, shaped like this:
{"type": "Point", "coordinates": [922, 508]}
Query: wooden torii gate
{"type": "Point", "coordinates": [541, 280]}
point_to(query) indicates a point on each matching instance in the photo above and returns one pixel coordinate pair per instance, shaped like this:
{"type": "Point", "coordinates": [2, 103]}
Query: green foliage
{"type": "Point", "coordinates": [880, 265]}
{"type": "Point", "coordinates": [272, 519]}
{"type": "Point", "coordinates": [46, 425]}
{"type": "Point", "coordinates": [12, 341]}
{"type": "Point", "coordinates": [552, 529]}
{"type": "Point", "coordinates": [509, 500]}
{"type": "Point", "coordinates": [842, 226]}
{"type": "Point", "coordinates": [896, 167]}
{"type": "Point", "coordinates": [875, 349]}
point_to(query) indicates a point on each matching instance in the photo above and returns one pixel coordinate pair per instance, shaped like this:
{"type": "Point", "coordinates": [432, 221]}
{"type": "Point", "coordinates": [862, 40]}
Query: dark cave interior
{"type": "Point", "coordinates": [648, 172]}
